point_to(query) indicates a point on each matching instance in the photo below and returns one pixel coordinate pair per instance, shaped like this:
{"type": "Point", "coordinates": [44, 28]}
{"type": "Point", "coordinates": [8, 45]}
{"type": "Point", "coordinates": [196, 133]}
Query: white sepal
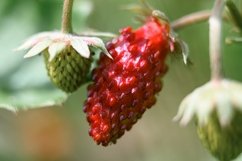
{"type": "Point", "coordinates": [98, 43]}
{"type": "Point", "coordinates": [80, 46]}
{"type": "Point", "coordinates": [224, 107]}
{"type": "Point", "coordinates": [188, 114]}
{"type": "Point", "coordinates": [55, 48]}
{"type": "Point", "coordinates": [204, 109]}
{"type": "Point", "coordinates": [38, 48]}
{"type": "Point", "coordinates": [223, 97]}
{"type": "Point", "coordinates": [33, 40]}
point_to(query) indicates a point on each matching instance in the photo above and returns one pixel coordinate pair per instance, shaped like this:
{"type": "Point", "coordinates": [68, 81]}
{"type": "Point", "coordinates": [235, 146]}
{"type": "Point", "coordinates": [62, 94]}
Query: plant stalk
{"type": "Point", "coordinates": [215, 36]}
{"type": "Point", "coordinates": [67, 16]}
{"type": "Point", "coordinates": [191, 19]}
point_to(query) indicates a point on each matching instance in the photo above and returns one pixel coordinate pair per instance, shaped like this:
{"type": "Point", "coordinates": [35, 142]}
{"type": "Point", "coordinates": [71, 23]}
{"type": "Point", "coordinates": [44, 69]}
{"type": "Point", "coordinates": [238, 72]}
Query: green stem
{"type": "Point", "coordinates": [235, 14]}
{"type": "Point", "coordinates": [67, 16]}
{"type": "Point", "coordinates": [191, 19]}
{"type": "Point", "coordinates": [215, 36]}
{"type": "Point", "coordinates": [230, 40]}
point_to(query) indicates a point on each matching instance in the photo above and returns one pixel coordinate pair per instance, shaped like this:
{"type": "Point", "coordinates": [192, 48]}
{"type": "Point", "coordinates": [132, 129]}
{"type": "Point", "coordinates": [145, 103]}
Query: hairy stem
{"type": "Point", "coordinates": [191, 19]}
{"type": "Point", "coordinates": [67, 16]}
{"type": "Point", "coordinates": [215, 33]}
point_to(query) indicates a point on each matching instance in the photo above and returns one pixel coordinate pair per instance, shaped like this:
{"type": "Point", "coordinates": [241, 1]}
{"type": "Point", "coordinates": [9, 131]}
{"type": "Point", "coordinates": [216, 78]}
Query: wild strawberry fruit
{"type": "Point", "coordinates": [68, 70]}
{"type": "Point", "coordinates": [224, 143]}
{"type": "Point", "coordinates": [125, 86]}
{"type": "Point", "coordinates": [67, 56]}
{"type": "Point", "coordinates": [217, 107]}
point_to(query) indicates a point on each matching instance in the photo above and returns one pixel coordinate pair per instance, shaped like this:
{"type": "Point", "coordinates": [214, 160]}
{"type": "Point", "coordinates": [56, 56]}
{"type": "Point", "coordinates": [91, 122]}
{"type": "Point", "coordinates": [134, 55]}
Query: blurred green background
{"type": "Point", "coordinates": [61, 133]}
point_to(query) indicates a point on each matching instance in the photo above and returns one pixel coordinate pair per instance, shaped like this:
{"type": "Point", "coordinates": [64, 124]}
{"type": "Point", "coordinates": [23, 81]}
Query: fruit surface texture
{"type": "Point", "coordinates": [68, 69]}
{"type": "Point", "coordinates": [125, 86]}
{"type": "Point", "coordinates": [224, 143]}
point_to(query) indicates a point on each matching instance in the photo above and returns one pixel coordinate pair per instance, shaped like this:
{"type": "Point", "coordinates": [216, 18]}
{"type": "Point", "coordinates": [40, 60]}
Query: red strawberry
{"type": "Point", "coordinates": [125, 86]}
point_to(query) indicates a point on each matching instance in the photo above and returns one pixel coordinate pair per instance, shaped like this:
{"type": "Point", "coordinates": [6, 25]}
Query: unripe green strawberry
{"type": "Point", "coordinates": [68, 69]}
{"type": "Point", "coordinates": [217, 105]}
{"type": "Point", "coordinates": [67, 56]}
{"type": "Point", "coordinates": [225, 143]}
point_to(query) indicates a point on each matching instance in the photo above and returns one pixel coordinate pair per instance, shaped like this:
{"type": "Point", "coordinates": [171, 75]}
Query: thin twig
{"type": "Point", "coordinates": [191, 19]}
{"type": "Point", "coordinates": [67, 16]}
{"type": "Point", "coordinates": [231, 40]}
{"type": "Point", "coordinates": [215, 34]}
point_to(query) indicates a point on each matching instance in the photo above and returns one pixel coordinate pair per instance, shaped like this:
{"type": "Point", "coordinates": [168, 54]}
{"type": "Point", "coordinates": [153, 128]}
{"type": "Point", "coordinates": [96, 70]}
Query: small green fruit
{"type": "Point", "coordinates": [67, 56]}
{"type": "Point", "coordinates": [217, 107]}
{"type": "Point", "coordinates": [68, 69]}
{"type": "Point", "coordinates": [225, 143]}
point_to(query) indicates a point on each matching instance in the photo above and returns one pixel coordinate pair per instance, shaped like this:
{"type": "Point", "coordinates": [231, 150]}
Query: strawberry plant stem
{"type": "Point", "coordinates": [67, 16]}
{"type": "Point", "coordinates": [215, 34]}
{"type": "Point", "coordinates": [191, 19]}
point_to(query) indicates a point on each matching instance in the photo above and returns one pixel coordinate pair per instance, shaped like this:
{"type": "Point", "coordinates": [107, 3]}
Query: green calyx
{"type": "Point", "coordinates": [67, 70]}
{"type": "Point", "coordinates": [225, 143]}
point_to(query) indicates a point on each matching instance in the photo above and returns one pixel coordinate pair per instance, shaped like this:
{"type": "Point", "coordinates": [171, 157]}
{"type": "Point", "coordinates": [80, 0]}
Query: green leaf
{"type": "Point", "coordinates": [29, 87]}
{"type": "Point", "coordinates": [31, 98]}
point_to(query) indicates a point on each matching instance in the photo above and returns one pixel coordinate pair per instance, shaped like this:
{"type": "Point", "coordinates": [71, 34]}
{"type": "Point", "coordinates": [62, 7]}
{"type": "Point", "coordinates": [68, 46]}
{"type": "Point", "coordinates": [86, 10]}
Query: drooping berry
{"type": "Point", "coordinates": [125, 86]}
{"type": "Point", "coordinates": [68, 69]}
{"type": "Point", "coordinates": [217, 107]}
{"type": "Point", "coordinates": [224, 143]}
{"type": "Point", "coordinates": [67, 56]}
